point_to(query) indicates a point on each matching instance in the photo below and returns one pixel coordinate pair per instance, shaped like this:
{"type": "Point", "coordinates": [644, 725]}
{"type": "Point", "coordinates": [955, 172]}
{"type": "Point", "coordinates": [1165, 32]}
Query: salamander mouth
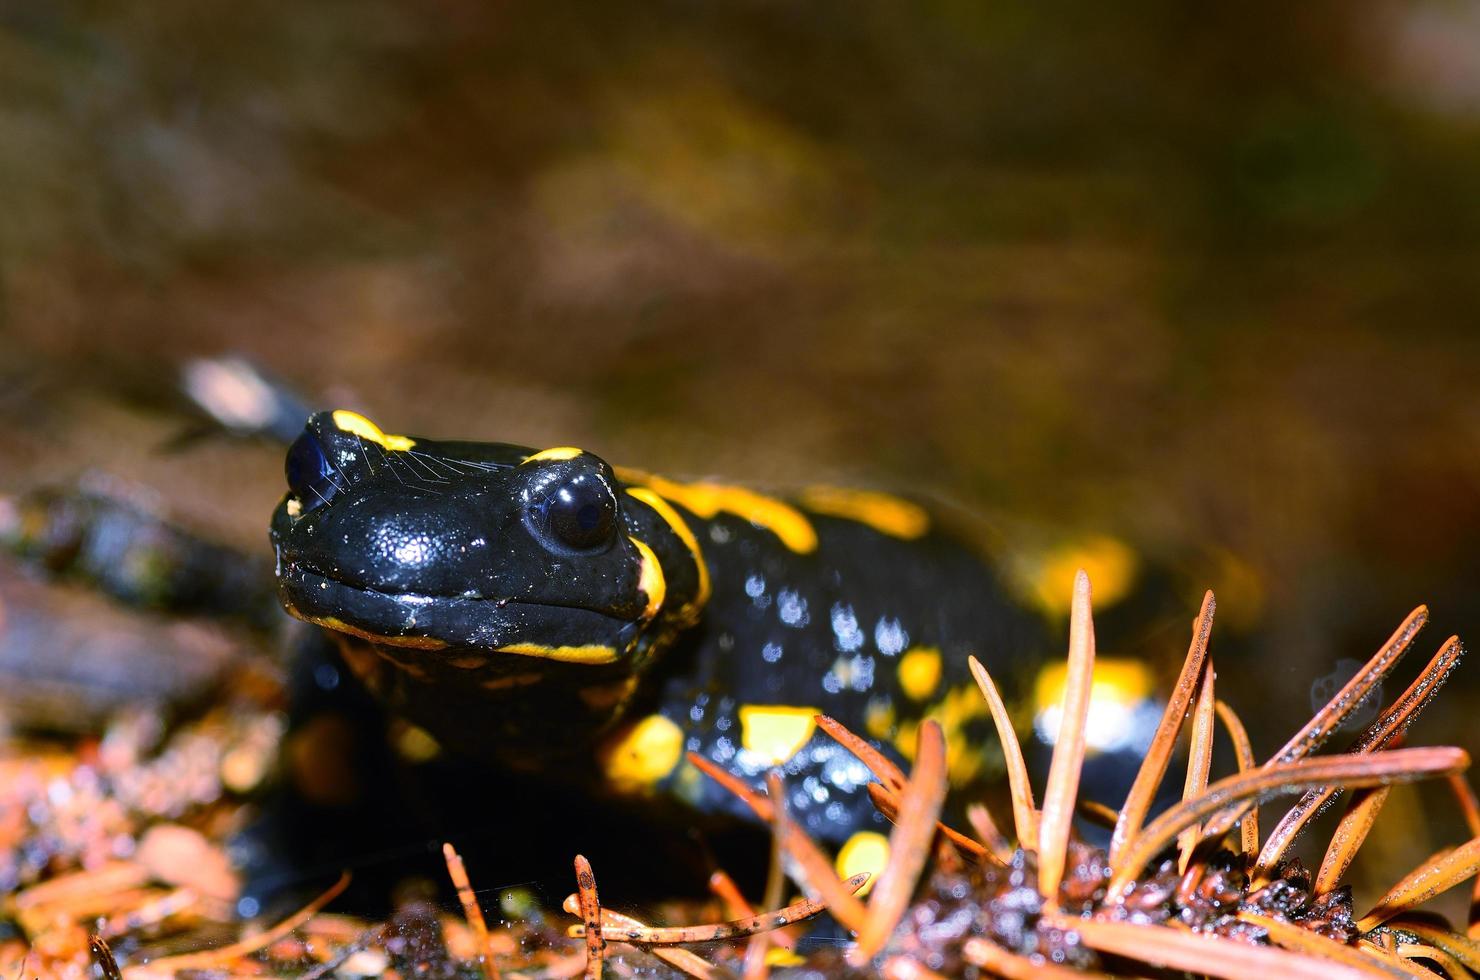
{"type": "Point", "coordinates": [467, 627]}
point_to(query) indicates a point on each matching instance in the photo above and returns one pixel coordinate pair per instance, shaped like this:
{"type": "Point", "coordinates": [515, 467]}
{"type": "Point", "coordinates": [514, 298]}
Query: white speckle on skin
{"type": "Point", "coordinates": [724, 750]}
{"type": "Point", "coordinates": [848, 637]}
{"type": "Point", "coordinates": [890, 636]}
{"type": "Point", "coordinates": [791, 608]}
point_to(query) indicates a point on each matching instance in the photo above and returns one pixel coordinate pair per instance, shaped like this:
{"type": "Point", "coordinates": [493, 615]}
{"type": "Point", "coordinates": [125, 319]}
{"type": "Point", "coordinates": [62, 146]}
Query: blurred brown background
{"type": "Point", "coordinates": [1200, 278]}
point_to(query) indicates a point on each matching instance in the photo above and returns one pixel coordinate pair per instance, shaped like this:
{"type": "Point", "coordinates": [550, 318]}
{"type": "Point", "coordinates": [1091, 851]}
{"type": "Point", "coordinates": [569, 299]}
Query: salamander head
{"type": "Point", "coordinates": [475, 554]}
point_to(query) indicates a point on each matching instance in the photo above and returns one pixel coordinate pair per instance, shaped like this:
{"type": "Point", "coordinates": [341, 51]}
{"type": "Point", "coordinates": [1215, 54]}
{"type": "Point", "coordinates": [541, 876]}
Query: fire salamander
{"type": "Point", "coordinates": [544, 611]}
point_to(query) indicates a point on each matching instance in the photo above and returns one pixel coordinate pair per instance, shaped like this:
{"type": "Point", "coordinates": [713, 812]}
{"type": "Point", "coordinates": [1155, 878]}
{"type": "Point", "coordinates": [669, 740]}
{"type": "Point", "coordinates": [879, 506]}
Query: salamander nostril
{"type": "Point", "coordinates": [311, 477]}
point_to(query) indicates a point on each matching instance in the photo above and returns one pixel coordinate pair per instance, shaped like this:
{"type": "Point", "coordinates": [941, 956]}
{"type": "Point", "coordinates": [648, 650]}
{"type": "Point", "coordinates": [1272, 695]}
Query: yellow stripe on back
{"type": "Point", "coordinates": [883, 512]}
{"type": "Point", "coordinates": [708, 499]}
{"type": "Point", "coordinates": [356, 424]}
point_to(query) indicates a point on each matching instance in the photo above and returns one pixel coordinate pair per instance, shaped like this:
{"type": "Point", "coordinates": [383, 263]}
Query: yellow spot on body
{"type": "Point", "coordinates": [842, 671]}
{"type": "Point", "coordinates": [919, 672]}
{"type": "Point", "coordinates": [963, 760]}
{"type": "Point", "coordinates": [965, 703]}
{"type": "Point", "coordinates": [866, 850]}
{"type": "Point", "coordinates": [363, 661]}
{"type": "Point", "coordinates": [594, 653]}
{"type": "Point", "coordinates": [293, 506]}
{"type": "Point", "coordinates": [1239, 587]}
{"type": "Point", "coordinates": [878, 718]}
{"type": "Point", "coordinates": [958, 709]}
{"type": "Point", "coordinates": [681, 529]}
{"type": "Point", "coordinates": [708, 499]}
{"type": "Point", "coordinates": [356, 424]}
{"type": "Point", "coordinates": [1119, 691]}
{"type": "Point", "coordinates": [650, 579]}
{"type": "Point", "coordinates": [883, 512]}
{"type": "Point", "coordinates": [415, 744]}
{"type": "Point", "coordinates": [689, 784]}
{"type": "Point", "coordinates": [905, 738]}
{"type": "Point", "coordinates": [607, 697]}
{"type": "Point", "coordinates": [558, 452]}
{"type": "Point", "coordinates": [1111, 565]}
{"type": "Point", "coordinates": [642, 754]}
{"type": "Point", "coordinates": [955, 712]}
{"type": "Point", "coordinates": [513, 680]}
{"type": "Point", "coordinates": [1117, 680]}
{"type": "Point", "coordinates": [782, 957]}
{"type": "Point", "coordinates": [776, 731]}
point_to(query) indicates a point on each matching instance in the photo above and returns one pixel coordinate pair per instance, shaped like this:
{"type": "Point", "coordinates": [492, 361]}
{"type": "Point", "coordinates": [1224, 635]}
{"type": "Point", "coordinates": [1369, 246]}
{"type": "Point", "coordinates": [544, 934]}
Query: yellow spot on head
{"type": "Point", "coordinates": [356, 424]}
{"type": "Point", "coordinates": [866, 850]}
{"type": "Point", "coordinates": [650, 579]}
{"type": "Point", "coordinates": [1111, 565]}
{"type": "Point", "coordinates": [594, 653]}
{"type": "Point", "coordinates": [681, 529]}
{"type": "Point", "coordinates": [709, 499]}
{"type": "Point", "coordinates": [642, 754]}
{"type": "Point", "coordinates": [883, 512]}
{"type": "Point", "coordinates": [559, 452]}
{"type": "Point", "coordinates": [776, 731]}
{"type": "Point", "coordinates": [919, 672]}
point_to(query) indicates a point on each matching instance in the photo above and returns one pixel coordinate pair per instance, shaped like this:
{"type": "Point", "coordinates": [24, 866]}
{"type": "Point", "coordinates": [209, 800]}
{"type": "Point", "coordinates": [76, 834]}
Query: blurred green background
{"type": "Point", "coordinates": [1201, 278]}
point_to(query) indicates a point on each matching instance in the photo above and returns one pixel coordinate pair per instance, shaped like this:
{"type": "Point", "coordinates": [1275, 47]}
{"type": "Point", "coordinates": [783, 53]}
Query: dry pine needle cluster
{"type": "Point", "coordinates": [1195, 890]}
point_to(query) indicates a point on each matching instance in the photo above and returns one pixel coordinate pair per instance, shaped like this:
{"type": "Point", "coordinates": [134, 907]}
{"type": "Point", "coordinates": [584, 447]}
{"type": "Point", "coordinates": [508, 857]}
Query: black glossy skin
{"type": "Point", "coordinates": [827, 630]}
{"type": "Point", "coordinates": [426, 561]}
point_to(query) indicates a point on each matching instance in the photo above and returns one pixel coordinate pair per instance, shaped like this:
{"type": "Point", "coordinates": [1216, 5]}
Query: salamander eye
{"type": "Point", "coordinates": [310, 475]}
{"type": "Point", "coordinates": [581, 513]}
